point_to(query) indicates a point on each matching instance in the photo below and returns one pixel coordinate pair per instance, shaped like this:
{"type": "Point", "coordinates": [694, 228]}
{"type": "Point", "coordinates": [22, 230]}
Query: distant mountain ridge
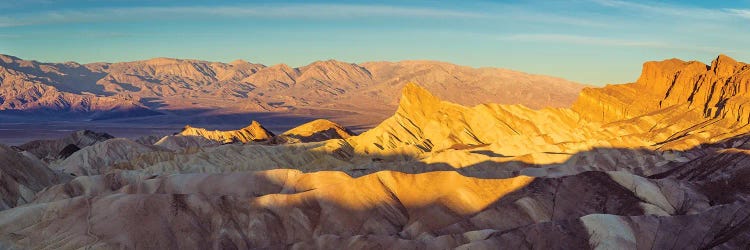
{"type": "Point", "coordinates": [365, 93]}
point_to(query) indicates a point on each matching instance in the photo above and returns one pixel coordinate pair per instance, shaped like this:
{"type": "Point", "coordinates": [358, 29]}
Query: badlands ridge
{"type": "Point", "coordinates": [658, 163]}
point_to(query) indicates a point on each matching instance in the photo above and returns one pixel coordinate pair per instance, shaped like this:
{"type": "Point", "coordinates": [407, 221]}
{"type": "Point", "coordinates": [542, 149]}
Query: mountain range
{"type": "Point", "coordinates": [660, 163]}
{"type": "Point", "coordinates": [192, 91]}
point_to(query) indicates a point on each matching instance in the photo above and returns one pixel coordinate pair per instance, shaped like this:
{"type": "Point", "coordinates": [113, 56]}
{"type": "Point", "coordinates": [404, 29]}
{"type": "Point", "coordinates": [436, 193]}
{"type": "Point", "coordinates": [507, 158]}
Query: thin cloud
{"type": "Point", "coordinates": [299, 11]}
{"type": "Point", "coordinates": [743, 13]}
{"type": "Point", "coordinates": [6, 21]}
{"type": "Point", "coordinates": [674, 10]}
{"type": "Point", "coordinates": [582, 40]}
{"type": "Point", "coordinates": [529, 12]}
{"type": "Point", "coordinates": [610, 42]}
{"type": "Point", "coordinates": [555, 19]}
{"type": "Point", "coordinates": [288, 11]}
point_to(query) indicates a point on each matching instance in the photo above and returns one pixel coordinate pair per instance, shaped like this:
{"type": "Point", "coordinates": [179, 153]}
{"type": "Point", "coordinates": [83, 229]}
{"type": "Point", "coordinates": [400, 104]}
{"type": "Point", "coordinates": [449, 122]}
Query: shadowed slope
{"type": "Point", "coordinates": [29, 87]}
{"type": "Point", "coordinates": [329, 209]}
{"type": "Point", "coordinates": [21, 176]}
{"type": "Point", "coordinates": [49, 150]}
{"type": "Point", "coordinates": [185, 142]}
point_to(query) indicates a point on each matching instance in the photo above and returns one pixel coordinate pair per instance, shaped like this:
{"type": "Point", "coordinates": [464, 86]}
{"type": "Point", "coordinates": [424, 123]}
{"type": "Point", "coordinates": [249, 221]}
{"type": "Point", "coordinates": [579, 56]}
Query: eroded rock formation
{"type": "Point", "coordinates": [57, 149]}
{"type": "Point", "coordinates": [314, 131]}
{"type": "Point", "coordinates": [663, 167]}
{"type": "Point", "coordinates": [251, 133]}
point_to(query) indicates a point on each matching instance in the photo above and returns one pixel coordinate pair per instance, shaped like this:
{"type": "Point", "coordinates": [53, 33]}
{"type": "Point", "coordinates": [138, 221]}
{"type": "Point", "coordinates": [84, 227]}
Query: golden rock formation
{"type": "Point", "coordinates": [251, 133]}
{"type": "Point", "coordinates": [317, 130]}
{"type": "Point", "coordinates": [689, 113]}
{"type": "Point", "coordinates": [718, 90]}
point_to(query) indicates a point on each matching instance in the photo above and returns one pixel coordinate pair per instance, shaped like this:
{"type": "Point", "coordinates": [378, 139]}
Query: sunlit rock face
{"type": "Point", "coordinates": [317, 130]}
{"type": "Point", "coordinates": [253, 132]}
{"type": "Point", "coordinates": [718, 90]}
{"type": "Point", "coordinates": [314, 131]}
{"type": "Point", "coordinates": [659, 163]}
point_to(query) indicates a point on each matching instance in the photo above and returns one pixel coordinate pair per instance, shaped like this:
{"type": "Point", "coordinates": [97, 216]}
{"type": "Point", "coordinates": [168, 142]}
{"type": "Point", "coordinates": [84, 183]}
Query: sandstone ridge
{"type": "Point", "coordinates": [253, 132]}
{"type": "Point", "coordinates": [718, 90]}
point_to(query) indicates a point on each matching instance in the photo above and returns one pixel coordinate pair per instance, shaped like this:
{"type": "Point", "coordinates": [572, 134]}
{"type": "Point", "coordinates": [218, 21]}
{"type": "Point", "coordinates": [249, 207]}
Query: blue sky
{"type": "Point", "coordinates": [589, 41]}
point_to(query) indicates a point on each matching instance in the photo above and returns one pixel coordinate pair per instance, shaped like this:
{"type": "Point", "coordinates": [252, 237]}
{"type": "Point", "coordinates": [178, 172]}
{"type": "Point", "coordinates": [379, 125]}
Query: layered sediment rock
{"type": "Point", "coordinates": [651, 164]}
{"type": "Point", "coordinates": [21, 177]}
{"type": "Point", "coordinates": [718, 90]}
{"type": "Point", "coordinates": [56, 149]}
{"type": "Point", "coordinates": [314, 131]}
{"type": "Point", "coordinates": [251, 133]}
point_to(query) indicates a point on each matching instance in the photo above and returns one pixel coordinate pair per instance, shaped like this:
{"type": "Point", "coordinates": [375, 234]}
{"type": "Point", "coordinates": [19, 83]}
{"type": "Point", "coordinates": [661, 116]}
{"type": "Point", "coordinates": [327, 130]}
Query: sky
{"type": "Point", "coordinates": [594, 42]}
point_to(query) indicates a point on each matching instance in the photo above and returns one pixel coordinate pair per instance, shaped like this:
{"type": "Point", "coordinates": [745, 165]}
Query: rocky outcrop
{"type": "Point", "coordinates": [57, 149]}
{"type": "Point", "coordinates": [21, 177]}
{"type": "Point", "coordinates": [103, 157]}
{"type": "Point", "coordinates": [613, 116]}
{"type": "Point", "coordinates": [314, 131]}
{"type": "Point", "coordinates": [180, 143]}
{"type": "Point", "coordinates": [718, 90]}
{"type": "Point", "coordinates": [423, 123]}
{"type": "Point", "coordinates": [148, 139]}
{"type": "Point", "coordinates": [252, 133]}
